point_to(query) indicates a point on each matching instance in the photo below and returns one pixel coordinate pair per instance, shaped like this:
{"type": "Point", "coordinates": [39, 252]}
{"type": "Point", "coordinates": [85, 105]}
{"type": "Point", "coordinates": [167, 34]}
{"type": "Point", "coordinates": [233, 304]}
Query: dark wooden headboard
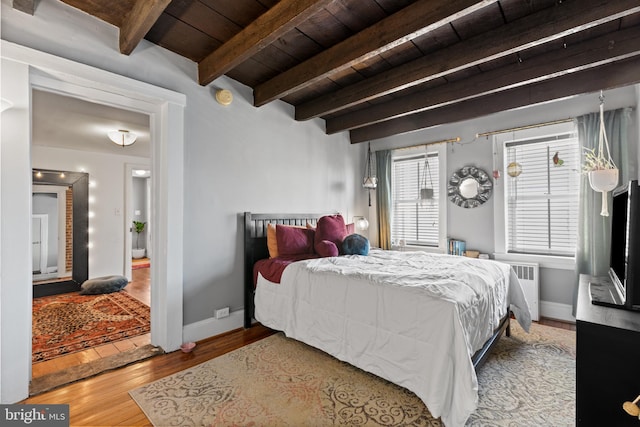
{"type": "Point", "coordinates": [255, 247]}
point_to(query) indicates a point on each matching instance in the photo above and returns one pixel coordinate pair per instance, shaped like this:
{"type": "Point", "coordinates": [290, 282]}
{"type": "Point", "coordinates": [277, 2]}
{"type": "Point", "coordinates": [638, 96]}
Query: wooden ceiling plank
{"type": "Point", "coordinates": [613, 75]}
{"type": "Point", "coordinates": [275, 22]}
{"type": "Point", "coordinates": [138, 23]}
{"type": "Point", "coordinates": [538, 28]}
{"type": "Point", "coordinates": [581, 56]}
{"type": "Point", "coordinates": [401, 27]}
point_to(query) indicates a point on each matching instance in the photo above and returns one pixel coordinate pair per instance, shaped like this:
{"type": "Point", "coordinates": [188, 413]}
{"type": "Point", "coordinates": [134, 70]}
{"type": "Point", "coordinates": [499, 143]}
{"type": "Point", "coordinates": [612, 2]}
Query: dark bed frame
{"type": "Point", "coordinates": [255, 249]}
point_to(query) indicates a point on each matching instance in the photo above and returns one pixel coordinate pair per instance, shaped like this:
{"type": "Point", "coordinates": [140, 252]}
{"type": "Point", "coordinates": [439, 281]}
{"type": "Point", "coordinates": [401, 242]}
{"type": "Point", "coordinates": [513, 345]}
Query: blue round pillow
{"type": "Point", "coordinates": [355, 244]}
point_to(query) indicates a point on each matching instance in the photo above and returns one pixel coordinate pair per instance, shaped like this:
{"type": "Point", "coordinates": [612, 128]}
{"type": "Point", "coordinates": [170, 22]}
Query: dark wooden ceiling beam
{"type": "Point", "coordinates": [608, 76]}
{"type": "Point", "coordinates": [542, 27]}
{"type": "Point", "coordinates": [581, 56]}
{"type": "Point", "coordinates": [271, 25]}
{"type": "Point", "coordinates": [413, 21]}
{"type": "Point", "coordinates": [138, 23]}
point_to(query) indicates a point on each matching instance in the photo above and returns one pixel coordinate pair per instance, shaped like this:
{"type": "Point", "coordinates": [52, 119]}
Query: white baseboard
{"type": "Point", "coordinates": [211, 327]}
{"type": "Point", "coordinates": [554, 310]}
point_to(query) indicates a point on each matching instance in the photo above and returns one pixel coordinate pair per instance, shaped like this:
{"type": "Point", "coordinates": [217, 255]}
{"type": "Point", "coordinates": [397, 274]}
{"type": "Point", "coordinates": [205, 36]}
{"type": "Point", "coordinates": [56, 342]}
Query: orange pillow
{"type": "Point", "coordinates": [272, 241]}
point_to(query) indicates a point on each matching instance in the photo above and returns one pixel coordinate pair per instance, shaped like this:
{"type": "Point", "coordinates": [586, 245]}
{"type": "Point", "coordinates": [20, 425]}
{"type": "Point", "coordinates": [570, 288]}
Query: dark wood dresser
{"type": "Point", "coordinates": [607, 361]}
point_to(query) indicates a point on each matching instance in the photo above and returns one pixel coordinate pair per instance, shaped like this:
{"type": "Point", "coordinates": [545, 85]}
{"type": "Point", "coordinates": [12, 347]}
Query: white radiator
{"type": "Point", "coordinates": [528, 276]}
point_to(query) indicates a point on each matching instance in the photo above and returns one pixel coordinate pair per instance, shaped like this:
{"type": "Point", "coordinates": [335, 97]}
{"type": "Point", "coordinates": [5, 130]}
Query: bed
{"type": "Point", "coordinates": [377, 312]}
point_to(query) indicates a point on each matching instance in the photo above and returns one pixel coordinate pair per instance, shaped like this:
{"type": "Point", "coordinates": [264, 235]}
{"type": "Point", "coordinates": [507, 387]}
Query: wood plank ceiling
{"type": "Point", "coordinates": [377, 68]}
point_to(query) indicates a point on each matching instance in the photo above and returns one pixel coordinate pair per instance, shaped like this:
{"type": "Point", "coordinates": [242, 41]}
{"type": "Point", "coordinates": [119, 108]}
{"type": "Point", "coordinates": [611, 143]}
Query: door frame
{"type": "Point", "coordinates": [44, 71]}
{"type": "Point", "coordinates": [128, 216]}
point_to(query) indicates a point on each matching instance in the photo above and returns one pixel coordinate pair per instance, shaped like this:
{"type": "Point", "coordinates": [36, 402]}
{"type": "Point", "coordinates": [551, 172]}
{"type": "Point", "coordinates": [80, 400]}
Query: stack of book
{"type": "Point", "coordinates": [457, 247]}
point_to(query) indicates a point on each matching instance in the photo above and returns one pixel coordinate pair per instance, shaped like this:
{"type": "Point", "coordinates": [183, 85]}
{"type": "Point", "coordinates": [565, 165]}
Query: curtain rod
{"type": "Point", "coordinates": [424, 144]}
{"type": "Point", "coordinates": [555, 122]}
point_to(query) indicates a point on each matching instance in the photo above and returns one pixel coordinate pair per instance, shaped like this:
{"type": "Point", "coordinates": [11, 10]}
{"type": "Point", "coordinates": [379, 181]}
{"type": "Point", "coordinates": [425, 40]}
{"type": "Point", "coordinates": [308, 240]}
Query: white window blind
{"type": "Point", "coordinates": [413, 220]}
{"type": "Point", "coordinates": [542, 202]}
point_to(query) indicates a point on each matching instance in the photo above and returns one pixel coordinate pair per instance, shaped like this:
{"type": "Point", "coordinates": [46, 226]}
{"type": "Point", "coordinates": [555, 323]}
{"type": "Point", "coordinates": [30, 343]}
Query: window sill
{"type": "Point", "coordinates": [430, 249]}
{"type": "Point", "coordinates": [544, 261]}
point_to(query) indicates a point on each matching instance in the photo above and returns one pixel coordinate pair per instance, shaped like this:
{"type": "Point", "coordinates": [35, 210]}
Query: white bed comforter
{"type": "Point", "coordinates": [412, 318]}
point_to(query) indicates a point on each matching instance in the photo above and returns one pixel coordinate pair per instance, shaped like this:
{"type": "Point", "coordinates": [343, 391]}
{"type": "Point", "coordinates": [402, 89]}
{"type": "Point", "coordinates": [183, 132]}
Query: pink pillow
{"type": "Point", "coordinates": [326, 248]}
{"type": "Point", "coordinates": [294, 241]}
{"type": "Point", "coordinates": [331, 228]}
{"type": "Point", "coordinates": [351, 229]}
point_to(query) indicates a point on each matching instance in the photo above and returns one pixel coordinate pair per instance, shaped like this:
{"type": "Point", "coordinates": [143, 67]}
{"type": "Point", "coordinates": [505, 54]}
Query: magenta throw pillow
{"type": "Point", "coordinates": [294, 241]}
{"type": "Point", "coordinates": [331, 228]}
{"type": "Point", "coordinates": [326, 248]}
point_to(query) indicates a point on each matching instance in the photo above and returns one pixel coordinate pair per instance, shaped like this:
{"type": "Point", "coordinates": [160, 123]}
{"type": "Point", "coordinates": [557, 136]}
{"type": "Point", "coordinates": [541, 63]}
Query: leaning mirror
{"type": "Point", "coordinates": [60, 231]}
{"type": "Point", "coordinates": [469, 187]}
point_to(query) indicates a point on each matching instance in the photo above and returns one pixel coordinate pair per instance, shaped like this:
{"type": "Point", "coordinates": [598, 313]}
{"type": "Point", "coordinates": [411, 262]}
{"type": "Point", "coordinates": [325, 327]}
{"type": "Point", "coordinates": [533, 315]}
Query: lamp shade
{"type": "Point", "coordinates": [122, 137]}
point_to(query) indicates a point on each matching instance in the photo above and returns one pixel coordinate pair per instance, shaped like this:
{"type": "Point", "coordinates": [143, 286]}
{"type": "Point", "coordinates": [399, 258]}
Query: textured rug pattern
{"type": "Point", "coordinates": [529, 380]}
{"type": "Point", "coordinates": [68, 323]}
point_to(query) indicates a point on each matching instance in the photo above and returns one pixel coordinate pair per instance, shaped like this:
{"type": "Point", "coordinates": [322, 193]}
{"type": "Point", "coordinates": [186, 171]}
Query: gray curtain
{"type": "Point", "coordinates": [594, 230]}
{"type": "Point", "coordinates": [383, 198]}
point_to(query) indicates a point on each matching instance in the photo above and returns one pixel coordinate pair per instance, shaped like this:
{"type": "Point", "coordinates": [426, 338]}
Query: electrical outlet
{"type": "Point", "coordinates": [223, 312]}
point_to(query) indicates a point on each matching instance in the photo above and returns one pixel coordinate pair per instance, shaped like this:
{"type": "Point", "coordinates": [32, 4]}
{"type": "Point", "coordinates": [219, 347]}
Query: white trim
{"type": "Point", "coordinates": [555, 310]}
{"type": "Point", "coordinates": [211, 327]}
{"type": "Point", "coordinates": [166, 112]}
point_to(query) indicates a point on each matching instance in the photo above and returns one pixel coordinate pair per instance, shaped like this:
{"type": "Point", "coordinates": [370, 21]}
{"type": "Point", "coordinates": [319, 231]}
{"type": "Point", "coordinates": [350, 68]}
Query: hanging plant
{"type": "Point", "coordinates": [426, 189]}
{"type": "Point", "coordinates": [602, 171]}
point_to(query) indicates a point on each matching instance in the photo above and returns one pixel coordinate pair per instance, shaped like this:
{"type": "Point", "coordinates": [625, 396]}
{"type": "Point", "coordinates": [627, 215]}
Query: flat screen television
{"type": "Point", "coordinates": [622, 289]}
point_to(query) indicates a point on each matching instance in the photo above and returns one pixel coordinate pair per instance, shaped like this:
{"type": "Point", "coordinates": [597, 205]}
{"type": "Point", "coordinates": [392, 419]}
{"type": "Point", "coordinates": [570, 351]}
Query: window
{"type": "Point", "coordinates": [416, 221]}
{"type": "Point", "coordinates": [541, 191]}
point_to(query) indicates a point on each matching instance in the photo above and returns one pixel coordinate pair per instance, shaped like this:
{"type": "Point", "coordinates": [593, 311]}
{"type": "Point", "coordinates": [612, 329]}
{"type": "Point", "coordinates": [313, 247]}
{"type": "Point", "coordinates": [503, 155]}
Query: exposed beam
{"type": "Point", "coordinates": [413, 21]}
{"type": "Point", "coordinates": [608, 76]}
{"type": "Point", "coordinates": [26, 6]}
{"type": "Point", "coordinates": [271, 25]}
{"type": "Point", "coordinates": [549, 24]}
{"type": "Point", "coordinates": [138, 22]}
{"type": "Point", "coordinates": [581, 56]}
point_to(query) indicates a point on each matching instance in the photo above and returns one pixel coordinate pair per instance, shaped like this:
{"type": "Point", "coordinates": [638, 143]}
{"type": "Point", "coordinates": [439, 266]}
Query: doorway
{"type": "Point", "coordinates": [23, 69]}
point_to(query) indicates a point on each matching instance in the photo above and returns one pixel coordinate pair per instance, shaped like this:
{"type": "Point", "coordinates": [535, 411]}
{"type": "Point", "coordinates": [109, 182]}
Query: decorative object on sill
{"type": "Point", "coordinates": [632, 408]}
{"type": "Point", "coordinates": [471, 253]}
{"type": "Point", "coordinates": [514, 169]}
{"type": "Point", "coordinates": [370, 182]}
{"type": "Point", "coordinates": [361, 223]}
{"type": "Point", "coordinates": [426, 188]}
{"type": "Point", "coordinates": [602, 171]}
{"type": "Point", "coordinates": [557, 161]}
{"type": "Point", "coordinates": [224, 97]}
{"type": "Point", "coordinates": [122, 137]}
{"type": "Point", "coordinates": [469, 187]}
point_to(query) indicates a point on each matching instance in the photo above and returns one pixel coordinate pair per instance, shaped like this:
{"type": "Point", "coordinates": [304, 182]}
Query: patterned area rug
{"type": "Point", "coordinates": [68, 323]}
{"type": "Point", "coordinates": [529, 380]}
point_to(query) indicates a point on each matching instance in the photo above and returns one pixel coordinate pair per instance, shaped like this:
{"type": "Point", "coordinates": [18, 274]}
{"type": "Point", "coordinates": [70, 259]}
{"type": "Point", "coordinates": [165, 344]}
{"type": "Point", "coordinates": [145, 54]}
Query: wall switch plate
{"type": "Point", "coordinates": [223, 312]}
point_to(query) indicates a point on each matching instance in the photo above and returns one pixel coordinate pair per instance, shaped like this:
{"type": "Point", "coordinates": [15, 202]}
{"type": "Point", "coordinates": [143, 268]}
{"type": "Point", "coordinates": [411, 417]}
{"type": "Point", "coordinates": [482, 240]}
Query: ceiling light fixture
{"type": "Point", "coordinates": [122, 137]}
{"type": "Point", "coordinates": [5, 104]}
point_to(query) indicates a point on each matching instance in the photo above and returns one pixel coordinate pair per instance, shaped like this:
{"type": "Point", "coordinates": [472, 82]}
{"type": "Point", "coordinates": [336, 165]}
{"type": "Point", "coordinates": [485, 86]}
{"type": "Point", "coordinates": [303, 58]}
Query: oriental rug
{"type": "Point", "coordinates": [529, 380]}
{"type": "Point", "coordinates": [68, 323]}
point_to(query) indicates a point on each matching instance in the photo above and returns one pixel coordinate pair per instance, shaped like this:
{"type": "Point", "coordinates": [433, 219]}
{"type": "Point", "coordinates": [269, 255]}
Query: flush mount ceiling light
{"type": "Point", "coordinates": [5, 104]}
{"type": "Point", "coordinates": [122, 137]}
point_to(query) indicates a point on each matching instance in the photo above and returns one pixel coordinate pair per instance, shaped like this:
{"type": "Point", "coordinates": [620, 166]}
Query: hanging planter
{"type": "Point", "coordinates": [602, 171]}
{"type": "Point", "coordinates": [426, 189]}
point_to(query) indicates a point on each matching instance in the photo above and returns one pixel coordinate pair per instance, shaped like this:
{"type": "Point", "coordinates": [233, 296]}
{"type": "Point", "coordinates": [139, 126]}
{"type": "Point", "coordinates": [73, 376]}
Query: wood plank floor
{"type": "Point", "coordinates": [104, 399]}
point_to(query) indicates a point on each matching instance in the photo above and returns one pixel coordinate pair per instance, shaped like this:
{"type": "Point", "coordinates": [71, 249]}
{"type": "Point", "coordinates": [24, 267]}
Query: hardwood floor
{"type": "Point", "coordinates": [104, 399]}
{"type": "Point", "coordinates": [139, 288]}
